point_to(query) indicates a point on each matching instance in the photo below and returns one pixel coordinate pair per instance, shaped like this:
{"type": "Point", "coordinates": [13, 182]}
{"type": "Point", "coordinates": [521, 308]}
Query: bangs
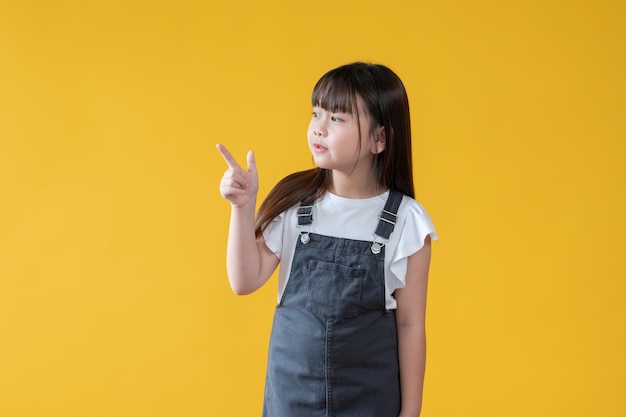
{"type": "Point", "coordinates": [335, 92]}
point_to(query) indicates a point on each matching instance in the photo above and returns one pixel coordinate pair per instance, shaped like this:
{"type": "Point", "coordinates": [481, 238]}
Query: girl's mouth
{"type": "Point", "coordinates": [319, 148]}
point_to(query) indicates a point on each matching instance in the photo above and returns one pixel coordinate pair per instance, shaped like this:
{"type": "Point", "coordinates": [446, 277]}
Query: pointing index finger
{"type": "Point", "coordinates": [228, 157]}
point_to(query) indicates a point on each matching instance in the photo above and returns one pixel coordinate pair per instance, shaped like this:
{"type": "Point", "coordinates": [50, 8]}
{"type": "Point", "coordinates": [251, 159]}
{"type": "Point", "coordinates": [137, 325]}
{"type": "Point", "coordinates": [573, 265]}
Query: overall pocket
{"type": "Point", "coordinates": [333, 290]}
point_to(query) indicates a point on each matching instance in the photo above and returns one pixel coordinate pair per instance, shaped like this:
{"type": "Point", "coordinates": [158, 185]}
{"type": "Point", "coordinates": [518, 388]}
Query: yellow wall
{"type": "Point", "coordinates": [113, 295]}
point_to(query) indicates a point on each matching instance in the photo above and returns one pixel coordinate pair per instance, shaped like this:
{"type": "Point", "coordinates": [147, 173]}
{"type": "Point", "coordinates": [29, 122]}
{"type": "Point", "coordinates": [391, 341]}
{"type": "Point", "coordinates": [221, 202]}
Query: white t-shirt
{"type": "Point", "coordinates": [354, 219]}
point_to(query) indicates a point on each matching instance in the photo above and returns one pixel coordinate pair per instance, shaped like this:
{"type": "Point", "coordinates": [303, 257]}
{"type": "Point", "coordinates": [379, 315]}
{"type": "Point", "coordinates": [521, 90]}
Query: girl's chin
{"type": "Point", "coordinates": [319, 162]}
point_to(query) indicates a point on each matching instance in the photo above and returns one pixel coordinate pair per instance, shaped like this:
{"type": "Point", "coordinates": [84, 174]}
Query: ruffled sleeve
{"type": "Point", "coordinates": [273, 235]}
{"type": "Point", "coordinates": [417, 226]}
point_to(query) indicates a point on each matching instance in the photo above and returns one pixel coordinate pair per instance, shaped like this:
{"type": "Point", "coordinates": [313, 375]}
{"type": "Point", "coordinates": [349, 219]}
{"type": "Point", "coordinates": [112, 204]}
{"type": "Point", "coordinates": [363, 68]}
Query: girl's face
{"type": "Point", "coordinates": [335, 144]}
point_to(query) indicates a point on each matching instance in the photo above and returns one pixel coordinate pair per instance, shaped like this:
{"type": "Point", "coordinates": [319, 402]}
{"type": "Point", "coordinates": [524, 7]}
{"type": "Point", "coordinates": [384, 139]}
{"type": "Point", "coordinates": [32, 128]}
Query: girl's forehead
{"type": "Point", "coordinates": [343, 104]}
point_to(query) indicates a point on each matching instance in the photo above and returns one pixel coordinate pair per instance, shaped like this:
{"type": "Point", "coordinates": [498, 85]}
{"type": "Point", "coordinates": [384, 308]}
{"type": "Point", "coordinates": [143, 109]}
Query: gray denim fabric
{"type": "Point", "coordinates": [333, 348]}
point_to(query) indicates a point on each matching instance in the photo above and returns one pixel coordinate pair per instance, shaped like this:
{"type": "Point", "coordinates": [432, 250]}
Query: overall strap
{"type": "Point", "coordinates": [389, 215]}
{"type": "Point", "coordinates": [305, 214]}
{"type": "Point", "coordinates": [305, 218]}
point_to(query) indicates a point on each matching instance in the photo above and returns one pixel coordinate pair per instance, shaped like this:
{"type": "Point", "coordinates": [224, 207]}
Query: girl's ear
{"type": "Point", "coordinates": [380, 140]}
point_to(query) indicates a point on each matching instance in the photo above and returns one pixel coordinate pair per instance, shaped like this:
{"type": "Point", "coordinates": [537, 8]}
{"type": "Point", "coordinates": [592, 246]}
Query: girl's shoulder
{"type": "Point", "coordinates": [413, 205]}
{"type": "Point", "coordinates": [414, 215]}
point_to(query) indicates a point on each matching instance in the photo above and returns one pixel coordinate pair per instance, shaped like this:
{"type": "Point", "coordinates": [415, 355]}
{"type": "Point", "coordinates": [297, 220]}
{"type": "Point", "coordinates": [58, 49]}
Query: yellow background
{"type": "Point", "coordinates": [113, 294]}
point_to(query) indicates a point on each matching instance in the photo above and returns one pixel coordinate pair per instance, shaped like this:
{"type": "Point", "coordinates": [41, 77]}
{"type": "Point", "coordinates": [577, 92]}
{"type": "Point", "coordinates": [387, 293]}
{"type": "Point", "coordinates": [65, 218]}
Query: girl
{"type": "Point", "coordinates": [354, 247]}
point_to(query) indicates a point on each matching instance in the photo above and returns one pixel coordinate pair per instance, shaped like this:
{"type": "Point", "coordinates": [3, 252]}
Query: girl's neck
{"type": "Point", "coordinates": [350, 187]}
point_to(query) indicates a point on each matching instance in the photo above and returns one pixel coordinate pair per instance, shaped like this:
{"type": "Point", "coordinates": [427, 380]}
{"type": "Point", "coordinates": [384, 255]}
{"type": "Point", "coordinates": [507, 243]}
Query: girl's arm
{"type": "Point", "coordinates": [249, 262]}
{"type": "Point", "coordinates": [410, 319]}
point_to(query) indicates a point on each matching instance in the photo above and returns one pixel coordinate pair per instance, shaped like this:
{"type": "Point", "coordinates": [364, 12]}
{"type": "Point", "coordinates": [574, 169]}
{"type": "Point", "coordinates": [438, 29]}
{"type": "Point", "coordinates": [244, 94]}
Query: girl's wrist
{"type": "Point", "coordinates": [250, 205]}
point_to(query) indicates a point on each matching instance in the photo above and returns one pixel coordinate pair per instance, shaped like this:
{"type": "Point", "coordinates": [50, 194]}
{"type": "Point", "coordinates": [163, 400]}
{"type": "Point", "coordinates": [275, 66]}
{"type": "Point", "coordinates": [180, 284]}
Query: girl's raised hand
{"type": "Point", "coordinates": [239, 186]}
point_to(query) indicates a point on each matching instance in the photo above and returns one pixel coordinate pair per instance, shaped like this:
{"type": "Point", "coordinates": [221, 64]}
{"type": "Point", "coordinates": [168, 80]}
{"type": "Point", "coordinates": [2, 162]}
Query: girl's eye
{"type": "Point", "coordinates": [315, 115]}
{"type": "Point", "coordinates": [336, 119]}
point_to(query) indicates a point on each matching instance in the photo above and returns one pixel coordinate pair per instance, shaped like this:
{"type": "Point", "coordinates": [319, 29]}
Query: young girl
{"type": "Point", "coordinates": [348, 335]}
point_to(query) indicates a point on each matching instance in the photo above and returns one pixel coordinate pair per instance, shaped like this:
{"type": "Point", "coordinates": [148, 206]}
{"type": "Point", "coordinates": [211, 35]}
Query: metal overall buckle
{"type": "Point", "coordinates": [305, 218]}
{"type": "Point", "coordinates": [376, 247]}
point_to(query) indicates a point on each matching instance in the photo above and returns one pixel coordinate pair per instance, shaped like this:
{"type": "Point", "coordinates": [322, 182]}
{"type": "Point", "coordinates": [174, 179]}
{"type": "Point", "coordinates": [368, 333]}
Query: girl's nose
{"type": "Point", "coordinates": [319, 130]}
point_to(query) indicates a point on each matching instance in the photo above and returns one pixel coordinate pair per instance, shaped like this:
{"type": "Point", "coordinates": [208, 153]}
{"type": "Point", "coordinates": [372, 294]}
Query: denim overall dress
{"type": "Point", "coordinates": [333, 347]}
